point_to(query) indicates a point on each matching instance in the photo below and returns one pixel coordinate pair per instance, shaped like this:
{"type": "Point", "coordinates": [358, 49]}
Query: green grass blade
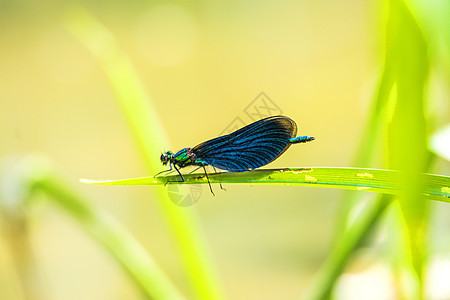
{"type": "Point", "coordinates": [349, 237]}
{"type": "Point", "coordinates": [373, 180]}
{"type": "Point", "coordinates": [346, 245]}
{"type": "Point", "coordinates": [37, 174]}
{"type": "Point", "coordinates": [407, 138]}
{"type": "Point", "coordinates": [146, 127]}
{"type": "Point", "coordinates": [405, 68]}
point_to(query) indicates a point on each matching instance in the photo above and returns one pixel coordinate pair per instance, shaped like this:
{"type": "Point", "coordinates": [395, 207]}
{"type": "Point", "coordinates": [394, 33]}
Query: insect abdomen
{"type": "Point", "coordinates": [301, 139]}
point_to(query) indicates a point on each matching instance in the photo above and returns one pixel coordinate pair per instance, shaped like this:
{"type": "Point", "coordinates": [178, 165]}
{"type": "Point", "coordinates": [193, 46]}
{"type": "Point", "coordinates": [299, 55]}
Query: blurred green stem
{"type": "Point", "coordinates": [407, 136]}
{"type": "Point", "coordinates": [40, 176]}
{"type": "Point", "coordinates": [149, 133]}
{"type": "Point", "coordinates": [349, 237]}
{"type": "Point", "coordinates": [404, 66]}
{"type": "Point", "coordinates": [354, 235]}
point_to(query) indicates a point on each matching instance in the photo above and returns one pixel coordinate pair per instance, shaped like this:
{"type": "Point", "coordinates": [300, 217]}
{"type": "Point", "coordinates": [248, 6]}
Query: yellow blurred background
{"type": "Point", "coordinates": [203, 63]}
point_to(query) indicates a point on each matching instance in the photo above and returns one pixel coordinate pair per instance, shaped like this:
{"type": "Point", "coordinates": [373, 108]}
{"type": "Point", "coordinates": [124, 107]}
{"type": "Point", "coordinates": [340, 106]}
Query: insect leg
{"type": "Point", "coordinates": [164, 171]}
{"type": "Point", "coordinates": [207, 178]}
{"type": "Point", "coordinates": [168, 172]}
{"type": "Point", "coordinates": [182, 178]}
{"type": "Point", "coordinates": [220, 184]}
{"type": "Point", "coordinates": [194, 170]}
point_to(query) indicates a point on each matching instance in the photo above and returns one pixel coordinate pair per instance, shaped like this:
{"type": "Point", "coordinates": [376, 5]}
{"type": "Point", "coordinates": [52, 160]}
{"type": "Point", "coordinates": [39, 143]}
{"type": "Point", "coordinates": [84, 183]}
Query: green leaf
{"type": "Point", "coordinates": [36, 174]}
{"type": "Point", "coordinates": [373, 180]}
{"type": "Point", "coordinates": [407, 136]}
{"type": "Point", "coordinates": [144, 122]}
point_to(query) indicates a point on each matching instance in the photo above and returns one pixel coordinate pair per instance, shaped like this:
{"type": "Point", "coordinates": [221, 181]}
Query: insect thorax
{"type": "Point", "coordinates": [184, 157]}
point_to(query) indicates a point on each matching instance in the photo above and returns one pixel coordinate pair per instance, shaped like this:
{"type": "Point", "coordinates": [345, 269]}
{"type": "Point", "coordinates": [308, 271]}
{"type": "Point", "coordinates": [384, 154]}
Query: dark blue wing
{"type": "Point", "coordinates": [250, 147]}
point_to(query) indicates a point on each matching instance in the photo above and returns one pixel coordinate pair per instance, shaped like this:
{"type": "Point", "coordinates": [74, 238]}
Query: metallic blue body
{"type": "Point", "coordinates": [248, 148]}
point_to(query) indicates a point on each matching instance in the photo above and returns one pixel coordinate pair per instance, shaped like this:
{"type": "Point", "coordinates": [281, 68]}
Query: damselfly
{"type": "Point", "coordinates": [248, 148]}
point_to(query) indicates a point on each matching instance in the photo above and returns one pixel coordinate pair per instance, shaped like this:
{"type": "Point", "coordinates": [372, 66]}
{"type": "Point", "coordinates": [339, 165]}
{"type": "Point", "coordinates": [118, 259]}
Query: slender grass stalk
{"type": "Point", "coordinates": [393, 71]}
{"type": "Point", "coordinates": [373, 180]}
{"type": "Point", "coordinates": [148, 132]}
{"type": "Point", "coordinates": [37, 175]}
{"type": "Point", "coordinates": [369, 150]}
{"type": "Point", "coordinates": [353, 237]}
{"type": "Point", "coordinates": [407, 135]}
